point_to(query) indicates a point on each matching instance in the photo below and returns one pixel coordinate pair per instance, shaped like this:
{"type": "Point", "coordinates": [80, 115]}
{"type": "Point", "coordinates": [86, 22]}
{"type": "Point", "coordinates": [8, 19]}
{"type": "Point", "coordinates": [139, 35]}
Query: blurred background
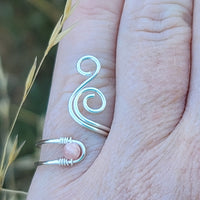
{"type": "Point", "coordinates": [25, 28]}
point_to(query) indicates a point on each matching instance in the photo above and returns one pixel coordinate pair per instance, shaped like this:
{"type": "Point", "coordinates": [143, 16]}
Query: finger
{"type": "Point", "coordinates": [152, 69]}
{"type": "Point", "coordinates": [193, 105]}
{"type": "Point", "coordinates": [152, 76]}
{"type": "Point", "coordinates": [95, 34]}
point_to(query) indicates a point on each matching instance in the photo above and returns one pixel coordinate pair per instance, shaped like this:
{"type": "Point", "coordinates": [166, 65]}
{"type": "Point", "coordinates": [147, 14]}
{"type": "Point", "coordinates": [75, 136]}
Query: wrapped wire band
{"type": "Point", "coordinates": [62, 161]}
{"type": "Point", "coordinates": [73, 101]}
{"type": "Point", "coordinates": [78, 117]}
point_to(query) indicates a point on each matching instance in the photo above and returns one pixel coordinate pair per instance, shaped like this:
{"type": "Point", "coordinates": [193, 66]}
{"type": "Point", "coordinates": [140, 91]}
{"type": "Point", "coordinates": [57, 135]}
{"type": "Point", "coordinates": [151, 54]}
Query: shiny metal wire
{"type": "Point", "coordinates": [62, 161]}
{"type": "Point", "coordinates": [73, 101]}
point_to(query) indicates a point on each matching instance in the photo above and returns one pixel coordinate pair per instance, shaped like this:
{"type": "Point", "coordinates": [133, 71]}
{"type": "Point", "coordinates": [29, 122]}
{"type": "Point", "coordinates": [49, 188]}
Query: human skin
{"type": "Point", "coordinates": [149, 51]}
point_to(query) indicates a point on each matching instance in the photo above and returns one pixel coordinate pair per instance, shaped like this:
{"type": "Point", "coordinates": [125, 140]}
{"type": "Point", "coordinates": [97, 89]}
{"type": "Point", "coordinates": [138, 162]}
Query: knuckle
{"type": "Point", "coordinates": [161, 21]}
{"type": "Point", "coordinates": [97, 10]}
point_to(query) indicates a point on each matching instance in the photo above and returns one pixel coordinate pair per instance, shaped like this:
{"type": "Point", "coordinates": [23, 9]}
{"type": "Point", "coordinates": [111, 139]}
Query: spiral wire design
{"type": "Point", "coordinates": [73, 101]}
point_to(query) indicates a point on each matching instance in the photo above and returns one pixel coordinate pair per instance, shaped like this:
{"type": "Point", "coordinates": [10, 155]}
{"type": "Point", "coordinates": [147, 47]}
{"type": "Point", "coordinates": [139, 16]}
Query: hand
{"type": "Point", "coordinates": [153, 148]}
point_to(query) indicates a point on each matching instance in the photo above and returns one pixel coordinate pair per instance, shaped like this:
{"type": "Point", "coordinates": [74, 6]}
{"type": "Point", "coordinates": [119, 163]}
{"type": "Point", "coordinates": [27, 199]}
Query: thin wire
{"type": "Point", "coordinates": [73, 101]}
{"type": "Point", "coordinates": [62, 161]}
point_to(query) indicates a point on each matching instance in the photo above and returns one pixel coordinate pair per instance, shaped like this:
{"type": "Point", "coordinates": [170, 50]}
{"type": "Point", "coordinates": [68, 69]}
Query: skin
{"type": "Point", "coordinates": [149, 51]}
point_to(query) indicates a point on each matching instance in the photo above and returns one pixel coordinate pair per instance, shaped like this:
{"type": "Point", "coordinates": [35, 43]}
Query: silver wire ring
{"type": "Point", "coordinates": [62, 161]}
{"type": "Point", "coordinates": [78, 117]}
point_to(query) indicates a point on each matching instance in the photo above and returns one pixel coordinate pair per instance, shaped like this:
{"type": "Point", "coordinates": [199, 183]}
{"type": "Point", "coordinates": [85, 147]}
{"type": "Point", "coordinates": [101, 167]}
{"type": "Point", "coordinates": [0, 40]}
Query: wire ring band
{"type": "Point", "coordinates": [78, 117]}
{"type": "Point", "coordinates": [62, 161]}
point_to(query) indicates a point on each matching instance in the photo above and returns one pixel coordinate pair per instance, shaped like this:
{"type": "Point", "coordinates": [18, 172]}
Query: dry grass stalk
{"type": "Point", "coordinates": [30, 77]}
{"type": "Point", "coordinates": [4, 102]}
{"type": "Point", "coordinates": [55, 38]}
{"type": "Point", "coordinates": [4, 113]}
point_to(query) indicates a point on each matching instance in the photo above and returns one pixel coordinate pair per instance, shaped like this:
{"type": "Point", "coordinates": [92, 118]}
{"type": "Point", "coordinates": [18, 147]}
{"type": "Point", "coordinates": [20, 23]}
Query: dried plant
{"type": "Point", "coordinates": [4, 103]}
{"type": "Point", "coordinates": [56, 36]}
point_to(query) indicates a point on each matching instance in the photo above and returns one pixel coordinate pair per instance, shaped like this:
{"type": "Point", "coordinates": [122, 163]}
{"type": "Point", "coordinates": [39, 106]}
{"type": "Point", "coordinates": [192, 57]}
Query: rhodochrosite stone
{"type": "Point", "coordinates": [72, 151]}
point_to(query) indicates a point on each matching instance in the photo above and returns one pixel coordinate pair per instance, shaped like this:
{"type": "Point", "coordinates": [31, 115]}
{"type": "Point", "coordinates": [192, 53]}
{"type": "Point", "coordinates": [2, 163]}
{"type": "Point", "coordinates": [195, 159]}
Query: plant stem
{"type": "Point", "coordinates": [9, 134]}
{"type": "Point", "coordinates": [36, 74]}
{"type": "Point", "coordinates": [13, 191]}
